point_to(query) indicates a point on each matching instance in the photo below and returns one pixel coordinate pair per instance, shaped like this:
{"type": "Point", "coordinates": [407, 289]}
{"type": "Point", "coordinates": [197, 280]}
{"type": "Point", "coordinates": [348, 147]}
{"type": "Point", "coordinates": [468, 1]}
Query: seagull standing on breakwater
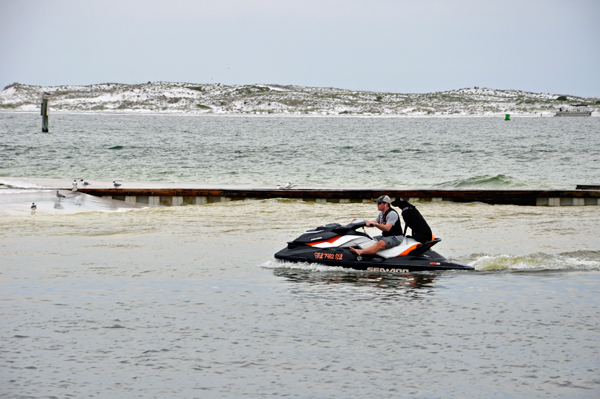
{"type": "Point", "coordinates": [117, 185]}
{"type": "Point", "coordinates": [286, 187]}
{"type": "Point", "coordinates": [74, 185]}
{"type": "Point", "coordinates": [59, 195]}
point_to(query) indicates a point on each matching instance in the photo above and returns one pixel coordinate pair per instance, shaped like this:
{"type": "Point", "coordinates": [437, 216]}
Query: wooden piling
{"type": "Point", "coordinates": [44, 112]}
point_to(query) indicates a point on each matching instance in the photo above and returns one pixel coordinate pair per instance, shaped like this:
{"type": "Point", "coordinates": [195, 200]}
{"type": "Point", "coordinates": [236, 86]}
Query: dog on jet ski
{"type": "Point", "coordinates": [413, 219]}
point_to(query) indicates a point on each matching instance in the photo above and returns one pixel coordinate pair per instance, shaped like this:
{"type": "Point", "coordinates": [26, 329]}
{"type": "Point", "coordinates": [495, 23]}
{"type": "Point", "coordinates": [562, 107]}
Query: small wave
{"type": "Point", "coordinates": [117, 147]}
{"type": "Point", "coordinates": [306, 266]}
{"type": "Point", "coordinates": [17, 186]}
{"type": "Point", "coordinates": [14, 190]}
{"type": "Point", "coordinates": [498, 181]}
{"type": "Point", "coordinates": [17, 202]}
{"type": "Point", "coordinates": [579, 260]}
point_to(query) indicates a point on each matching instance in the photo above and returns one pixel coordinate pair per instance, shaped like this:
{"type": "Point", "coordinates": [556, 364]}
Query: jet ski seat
{"type": "Point", "coordinates": [409, 246]}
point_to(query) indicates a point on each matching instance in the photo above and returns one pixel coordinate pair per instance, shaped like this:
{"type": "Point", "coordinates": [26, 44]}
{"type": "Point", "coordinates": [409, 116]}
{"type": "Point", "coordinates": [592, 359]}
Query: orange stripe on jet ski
{"type": "Point", "coordinates": [408, 250]}
{"type": "Point", "coordinates": [332, 239]}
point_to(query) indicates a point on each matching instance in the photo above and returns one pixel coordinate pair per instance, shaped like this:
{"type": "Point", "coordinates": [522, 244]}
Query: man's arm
{"type": "Point", "coordinates": [384, 227]}
{"type": "Point", "coordinates": [380, 226]}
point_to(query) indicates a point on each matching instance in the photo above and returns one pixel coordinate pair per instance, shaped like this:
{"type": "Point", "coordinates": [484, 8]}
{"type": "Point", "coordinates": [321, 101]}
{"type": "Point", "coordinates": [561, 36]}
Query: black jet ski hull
{"type": "Point", "coordinates": [428, 260]}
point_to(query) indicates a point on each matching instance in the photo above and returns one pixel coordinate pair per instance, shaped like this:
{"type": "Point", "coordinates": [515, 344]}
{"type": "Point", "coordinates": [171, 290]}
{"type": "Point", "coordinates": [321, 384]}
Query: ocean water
{"type": "Point", "coordinates": [100, 300]}
{"type": "Point", "coordinates": [552, 153]}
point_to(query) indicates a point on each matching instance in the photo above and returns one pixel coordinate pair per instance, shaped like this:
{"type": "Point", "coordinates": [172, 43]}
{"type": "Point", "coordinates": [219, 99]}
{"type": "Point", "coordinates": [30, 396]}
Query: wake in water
{"type": "Point", "coordinates": [485, 182]}
{"type": "Point", "coordinates": [578, 260]}
{"type": "Point", "coordinates": [306, 266]}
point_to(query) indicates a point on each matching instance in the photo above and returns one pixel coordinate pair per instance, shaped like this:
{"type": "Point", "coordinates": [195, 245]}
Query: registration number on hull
{"type": "Point", "coordinates": [327, 256]}
{"type": "Point", "coordinates": [384, 270]}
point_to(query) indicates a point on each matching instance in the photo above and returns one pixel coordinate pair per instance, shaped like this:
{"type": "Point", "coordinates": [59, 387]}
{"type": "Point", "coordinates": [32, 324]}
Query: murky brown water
{"type": "Point", "coordinates": [189, 302]}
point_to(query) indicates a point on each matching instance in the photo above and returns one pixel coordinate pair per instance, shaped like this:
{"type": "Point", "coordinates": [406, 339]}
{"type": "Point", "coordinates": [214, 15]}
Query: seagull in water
{"type": "Point", "coordinates": [59, 195]}
{"type": "Point", "coordinates": [117, 185]}
{"type": "Point", "coordinates": [33, 207]}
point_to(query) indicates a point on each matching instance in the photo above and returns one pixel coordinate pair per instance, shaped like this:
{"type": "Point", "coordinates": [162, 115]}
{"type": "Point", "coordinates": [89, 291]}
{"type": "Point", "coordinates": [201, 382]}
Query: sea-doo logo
{"type": "Point", "coordinates": [384, 270]}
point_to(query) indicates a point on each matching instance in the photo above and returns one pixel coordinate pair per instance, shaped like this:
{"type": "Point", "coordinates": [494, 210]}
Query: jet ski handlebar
{"type": "Point", "coordinates": [355, 224]}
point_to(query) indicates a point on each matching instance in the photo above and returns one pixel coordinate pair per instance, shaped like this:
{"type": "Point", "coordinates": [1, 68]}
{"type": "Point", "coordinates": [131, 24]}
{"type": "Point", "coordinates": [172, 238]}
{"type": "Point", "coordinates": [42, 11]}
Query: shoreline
{"type": "Point", "coordinates": [273, 115]}
{"type": "Point", "coordinates": [267, 100]}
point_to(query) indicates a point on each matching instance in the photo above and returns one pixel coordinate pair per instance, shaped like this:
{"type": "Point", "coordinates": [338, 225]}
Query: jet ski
{"type": "Point", "coordinates": [330, 245]}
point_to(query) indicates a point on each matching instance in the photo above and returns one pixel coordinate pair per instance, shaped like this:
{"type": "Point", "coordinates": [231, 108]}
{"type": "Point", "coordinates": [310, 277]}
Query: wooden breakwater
{"type": "Point", "coordinates": [199, 196]}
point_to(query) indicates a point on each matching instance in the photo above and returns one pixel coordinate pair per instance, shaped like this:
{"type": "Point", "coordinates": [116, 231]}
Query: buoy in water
{"type": "Point", "coordinates": [507, 117]}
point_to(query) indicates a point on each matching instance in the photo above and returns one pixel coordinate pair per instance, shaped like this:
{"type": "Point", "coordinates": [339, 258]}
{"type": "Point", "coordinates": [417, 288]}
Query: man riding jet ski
{"type": "Point", "coordinates": [388, 221]}
{"type": "Point", "coordinates": [337, 245]}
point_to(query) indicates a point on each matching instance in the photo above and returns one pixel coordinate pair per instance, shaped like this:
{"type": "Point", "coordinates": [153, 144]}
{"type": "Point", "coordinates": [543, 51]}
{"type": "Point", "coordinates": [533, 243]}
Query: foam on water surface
{"type": "Point", "coordinates": [19, 202]}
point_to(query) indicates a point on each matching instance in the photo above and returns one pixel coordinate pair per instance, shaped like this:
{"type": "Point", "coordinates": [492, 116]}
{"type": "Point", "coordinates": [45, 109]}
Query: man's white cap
{"type": "Point", "coordinates": [384, 198]}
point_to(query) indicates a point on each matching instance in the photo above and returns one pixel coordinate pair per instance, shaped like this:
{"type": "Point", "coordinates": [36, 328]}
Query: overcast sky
{"type": "Point", "coordinates": [398, 46]}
